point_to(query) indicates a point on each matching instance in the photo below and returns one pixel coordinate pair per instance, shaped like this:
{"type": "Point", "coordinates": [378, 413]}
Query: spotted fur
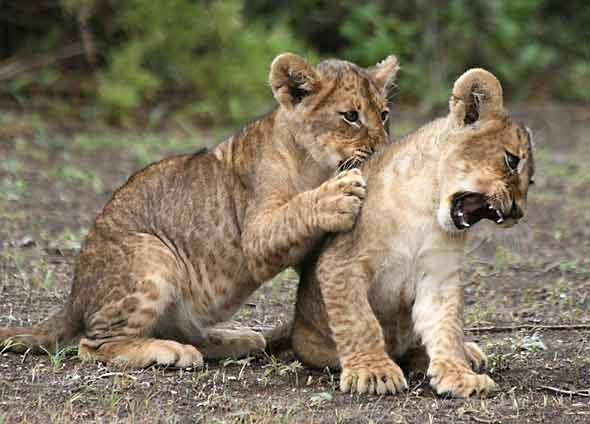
{"type": "Point", "coordinates": [186, 240]}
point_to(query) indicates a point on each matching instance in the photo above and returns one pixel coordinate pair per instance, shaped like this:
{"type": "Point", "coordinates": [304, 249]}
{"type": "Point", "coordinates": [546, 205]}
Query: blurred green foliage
{"type": "Point", "coordinates": [186, 48]}
{"type": "Point", "coordinates": [536, 47]}
{"type": "Point", "coordinates": [201, 60]}
{"type": "Point", "coordinates": [207, 60]}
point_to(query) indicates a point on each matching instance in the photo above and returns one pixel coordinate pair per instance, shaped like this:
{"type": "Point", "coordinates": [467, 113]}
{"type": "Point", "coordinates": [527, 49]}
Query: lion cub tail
{"type": "Point", "coordinates": [45, 337]}
{"type": "Point", "coordinates": [279, 338]}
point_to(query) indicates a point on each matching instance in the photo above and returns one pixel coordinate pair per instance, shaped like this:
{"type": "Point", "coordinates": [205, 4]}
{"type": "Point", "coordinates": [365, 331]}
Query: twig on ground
{"type": "Point", "coordinates": [583, 393]}
{"type": "Point", "coordinates": [508, 328]}
{"type": "Point", "coordinates": [481, 420]}
{"type": "Point", "coordinates": [117, 374]}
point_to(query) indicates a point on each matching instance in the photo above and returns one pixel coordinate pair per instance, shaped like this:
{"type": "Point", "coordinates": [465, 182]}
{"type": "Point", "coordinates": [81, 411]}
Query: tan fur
{"type": "Point", "coordinates": [390, 290]}
{"type": "Point", "coordinates": [186, 240]}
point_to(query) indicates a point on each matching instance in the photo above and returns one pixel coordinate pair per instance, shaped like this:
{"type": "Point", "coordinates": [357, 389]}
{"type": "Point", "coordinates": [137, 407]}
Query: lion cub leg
{"type": "Point", "coordinates": [312, 347]}
{"type": "Point", "coordinates": [124, 327]}
{"type": "Point", "coordinates": [438, 319]}
{"type": "Point", "coordinates": [143, 352]}
{"type": "Point", "coordinates": [366, 367]}
{"type": "Point", "coordinates": [225, 343]}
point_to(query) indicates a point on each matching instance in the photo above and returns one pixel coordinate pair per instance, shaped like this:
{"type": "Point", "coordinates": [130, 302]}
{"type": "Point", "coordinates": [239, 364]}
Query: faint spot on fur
{"type": "Point", "coordinates": [149, 289]}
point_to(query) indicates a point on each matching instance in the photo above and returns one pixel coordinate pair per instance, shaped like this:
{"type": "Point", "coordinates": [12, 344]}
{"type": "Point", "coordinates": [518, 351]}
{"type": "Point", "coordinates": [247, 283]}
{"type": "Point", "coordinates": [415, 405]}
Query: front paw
{"type": "Point", "coordinates": [449, 377]}
{"type": "Point", "coordinates": [339, 201]}
{"type": "Point", "coordinates": [374, 377]}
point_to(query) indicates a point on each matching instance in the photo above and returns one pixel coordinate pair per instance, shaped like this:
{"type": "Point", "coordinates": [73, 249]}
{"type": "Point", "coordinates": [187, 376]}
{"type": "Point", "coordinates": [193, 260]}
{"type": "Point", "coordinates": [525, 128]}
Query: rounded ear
{"type": "Point", "coordinates": [476, 94]}
{"type": "Point", "coordinates": [291, 79]}
{"type": "Point", "coordinates": [385, 71]}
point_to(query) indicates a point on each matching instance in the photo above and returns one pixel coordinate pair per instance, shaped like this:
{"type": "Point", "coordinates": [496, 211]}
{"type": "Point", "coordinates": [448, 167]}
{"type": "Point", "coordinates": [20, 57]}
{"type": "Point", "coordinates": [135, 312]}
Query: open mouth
{"type": "Point", "coordinates": [469, 208]}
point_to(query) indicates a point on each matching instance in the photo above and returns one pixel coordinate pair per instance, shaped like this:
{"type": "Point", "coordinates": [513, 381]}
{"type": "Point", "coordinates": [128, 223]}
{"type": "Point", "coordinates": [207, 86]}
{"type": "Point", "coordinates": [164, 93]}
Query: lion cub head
{"type": "Point", "coordinates": [488, 162]}
{"type": "Point", "coordinates": [336, 110]}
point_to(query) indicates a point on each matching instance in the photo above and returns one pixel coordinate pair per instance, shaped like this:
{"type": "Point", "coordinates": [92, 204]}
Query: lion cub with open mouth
{"type": "Point", "coordinates": [391, 287]}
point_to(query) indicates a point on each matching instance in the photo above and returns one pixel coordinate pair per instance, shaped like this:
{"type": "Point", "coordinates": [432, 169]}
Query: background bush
{"type": "Point", "coordinates": [534, 46]}
{"type": "Point", "coordinates": [137, 61]}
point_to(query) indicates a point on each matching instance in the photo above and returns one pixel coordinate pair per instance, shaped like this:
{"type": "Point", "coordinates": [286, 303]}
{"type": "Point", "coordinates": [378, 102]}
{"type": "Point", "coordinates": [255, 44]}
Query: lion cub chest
{"type": "Point", "coordinates": [402, 273]}
{"type": "Point", "coordinates": [391, 295]}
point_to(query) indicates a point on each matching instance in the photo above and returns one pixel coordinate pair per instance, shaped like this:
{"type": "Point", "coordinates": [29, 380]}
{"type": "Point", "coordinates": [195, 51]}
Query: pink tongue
{"type": "Point", "coordinates": [472, 203]}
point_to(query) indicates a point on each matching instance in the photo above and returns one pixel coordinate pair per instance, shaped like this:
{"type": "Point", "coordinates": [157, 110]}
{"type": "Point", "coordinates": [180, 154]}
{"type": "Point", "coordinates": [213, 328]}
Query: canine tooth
{"type": "Point", "coordinates": [466, 225]}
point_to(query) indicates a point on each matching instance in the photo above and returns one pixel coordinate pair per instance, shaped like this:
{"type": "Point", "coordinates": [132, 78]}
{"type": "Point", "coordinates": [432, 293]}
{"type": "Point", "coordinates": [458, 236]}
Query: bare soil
{"type": "Point", "coordinates": [534, 276]}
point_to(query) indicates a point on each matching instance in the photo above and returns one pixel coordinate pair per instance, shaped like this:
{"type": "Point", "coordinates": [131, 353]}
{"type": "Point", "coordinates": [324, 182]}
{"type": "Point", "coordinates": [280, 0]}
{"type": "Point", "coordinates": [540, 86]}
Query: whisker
{"type": "Point", "coordinates": [356, 160]}
{"type": "Point", "coordinates": [344, 166]}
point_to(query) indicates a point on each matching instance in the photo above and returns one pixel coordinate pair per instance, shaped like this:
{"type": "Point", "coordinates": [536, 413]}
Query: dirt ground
{"type": "Point", "coordinates": [534, 276]}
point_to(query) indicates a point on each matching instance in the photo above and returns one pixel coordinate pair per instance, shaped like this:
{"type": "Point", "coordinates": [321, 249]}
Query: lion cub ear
{"type": "Point", "coordinates": [292, 78]}
{"type": "Point", "coordinates": [385, 71]}
{"type": "Point", "coordinates": [477, 94]}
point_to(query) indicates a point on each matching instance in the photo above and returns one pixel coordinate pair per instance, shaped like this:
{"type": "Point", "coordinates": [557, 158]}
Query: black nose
{"type": "Point", "coordinates": [516, 212]}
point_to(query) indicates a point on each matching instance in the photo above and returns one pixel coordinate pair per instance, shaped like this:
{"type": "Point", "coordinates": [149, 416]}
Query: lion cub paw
{"type": "Point", "coordinates": [475, 356]}
{"type": "Point", "coordinates": [374, 379]}
{"type": "Point", "coordinates": [450, 378]}
{"type": "Point", "coordinates": [339, 201]}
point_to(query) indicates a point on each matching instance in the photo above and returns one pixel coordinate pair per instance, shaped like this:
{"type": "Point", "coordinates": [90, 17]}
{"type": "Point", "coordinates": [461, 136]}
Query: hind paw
{"type": "Point", "coordinates": [142, 353]}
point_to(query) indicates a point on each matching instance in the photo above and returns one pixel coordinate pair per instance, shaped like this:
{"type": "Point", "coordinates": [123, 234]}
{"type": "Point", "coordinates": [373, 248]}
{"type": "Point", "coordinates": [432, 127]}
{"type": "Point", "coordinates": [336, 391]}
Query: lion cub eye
{"type": "Point", "coordinates": [384, 115]}
{"type": "Point", "coordinates": [351, 116]}
{"type": "Point", "coordinates": [511, 161]}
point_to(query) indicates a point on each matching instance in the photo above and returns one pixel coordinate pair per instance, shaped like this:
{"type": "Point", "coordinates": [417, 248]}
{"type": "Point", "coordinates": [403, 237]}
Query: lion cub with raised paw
{"type": "Point", "coordinates": [186, 240]}
{"type": "Point", "coordinates": [390, 289]}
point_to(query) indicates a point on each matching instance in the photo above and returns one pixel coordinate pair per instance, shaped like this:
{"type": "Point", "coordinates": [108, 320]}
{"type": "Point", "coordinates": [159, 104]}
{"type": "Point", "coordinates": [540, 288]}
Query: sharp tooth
{"type": "Point", "coordinates": [466, 225]}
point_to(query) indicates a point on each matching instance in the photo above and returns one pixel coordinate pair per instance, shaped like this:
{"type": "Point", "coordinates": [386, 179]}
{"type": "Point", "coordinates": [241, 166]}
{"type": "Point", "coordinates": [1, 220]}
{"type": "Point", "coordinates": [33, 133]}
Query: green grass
{"type": "Point", "coordinates": [111, 399]}
{"type": "Point", "coordinates": [30, 273]}
{"type": "Point", "coordinates": [570, 169]}
{"type": "Point", "coordinates": [320, 398]}
{"type": "Point", "coordinates": [480, 312]}
{"type": "Point", "coordinates": [12, 188]}
{"type": "Point", "coordinates": [577, 266]}
{"type": "Point", "coordinates": [505, 257]}
{"type": "Point", "coordinates": [243, 363]}
{"type": "Point", "coordinates": [277, 368]}
{"type": "Point", "coordinates": [57, 357]}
